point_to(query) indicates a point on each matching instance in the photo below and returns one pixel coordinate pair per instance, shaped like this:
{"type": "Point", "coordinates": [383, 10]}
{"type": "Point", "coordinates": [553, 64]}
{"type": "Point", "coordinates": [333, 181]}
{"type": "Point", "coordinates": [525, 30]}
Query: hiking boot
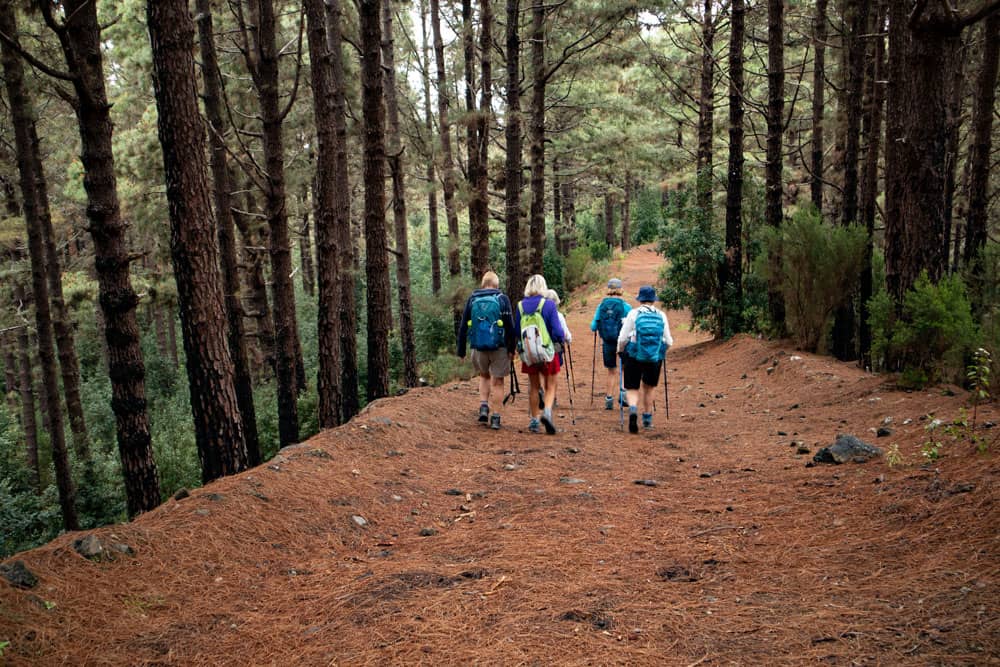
{"type": "Point", "coordinates": [609, 402]}
{"type": "Point", "coordinates": [534, 426]}
{"type": "Point", "coordinates": [550, 427]}
{"type": "Point", "coordinates": [647, 420]}
{"type": "Point", "coordinates": [541, 399]}
{"type": "Point", "coordinates": [484, 413]}
{"type": "Point", "coordinates": [495, 421]}
{"type": "Point", "coordinates": [633, 423]}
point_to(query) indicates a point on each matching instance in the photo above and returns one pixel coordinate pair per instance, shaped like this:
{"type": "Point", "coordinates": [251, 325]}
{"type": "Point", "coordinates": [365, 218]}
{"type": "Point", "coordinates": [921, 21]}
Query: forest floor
{"type": "Point", "coordinates": [413, 535]}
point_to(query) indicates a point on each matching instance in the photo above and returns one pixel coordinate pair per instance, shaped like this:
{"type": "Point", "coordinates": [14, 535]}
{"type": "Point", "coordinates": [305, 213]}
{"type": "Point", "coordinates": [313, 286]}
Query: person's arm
{"type": "Point", "coordinates": [566, 331]}
{"type": "Point", "coordinates": [463, 328]}
{"type": "Point", "coordinates": [551, 316]}
{"type": "Point", "coordinates": [667, 338]}
{"type": "Point", "coordinates": [597, 315]}
{"type": "Point", "coordinates": [628, 326]}
{"type": "Point", "coordinates": [628, 308]}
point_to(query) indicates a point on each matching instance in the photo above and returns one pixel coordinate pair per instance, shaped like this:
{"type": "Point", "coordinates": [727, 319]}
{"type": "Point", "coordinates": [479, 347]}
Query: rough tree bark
{"type": "Point", "coordinates": [979, 156]}
{"type": "Point", "coordinates": [376, 252]}
{"type": "Point", "coordinates": [479, 230]}
{"type": "Point", "coordinates": [305, 244]}
{"type": "Point", "coordinates": [448, 165]}
{"type": "Point", "coordinates": [432, 205]}
{"type": "Point", "coordinates": [818, 104]}
{"type": "Point", "coordinates": [536, 147]}
{"type": "Point", "coordinates": [324, 206]}
{"type": "Point", "coordinates": [29, 424]}
{"type": "Point", "coordinates": [80, 40]}
{"type": "Point", "coordinates": [395, 156]}
{"type": "Point", "coordinates": [29, 167]}
{"type": "Point", "coordinates": [627, 212]}
{"type": "Point", "coordinates": [706, 110]}
{"type": "Point", "coordinates": [350, 402]}
{"type": "Point", "coordinates": [485, 121]}
{"type": "Point", "coordinates": [609, 219]}
{"type": "Point", "coordinates": [775, 132]}
{"type": "Point", "coordinates": [222, 187]}
{"type": "Point", "coordinates": [512, 167]}
{"type": "Point", "coordinates": [731, 268]}
{"type": "Point", "coordinates": [262, 57]}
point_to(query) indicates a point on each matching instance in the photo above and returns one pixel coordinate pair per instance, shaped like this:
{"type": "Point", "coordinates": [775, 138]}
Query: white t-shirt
{"type": "Point", "coordinates": [627, 333]}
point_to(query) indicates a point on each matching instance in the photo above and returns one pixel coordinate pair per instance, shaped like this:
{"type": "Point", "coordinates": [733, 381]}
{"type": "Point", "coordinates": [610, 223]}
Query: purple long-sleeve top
{"type": "Point", "coordinates": [549, 313]}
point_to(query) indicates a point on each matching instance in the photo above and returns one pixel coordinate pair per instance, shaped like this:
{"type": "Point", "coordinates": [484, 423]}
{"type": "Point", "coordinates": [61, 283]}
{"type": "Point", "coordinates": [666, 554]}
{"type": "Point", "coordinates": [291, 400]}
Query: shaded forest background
{"type": "Point", "coordinates": [228, 225]}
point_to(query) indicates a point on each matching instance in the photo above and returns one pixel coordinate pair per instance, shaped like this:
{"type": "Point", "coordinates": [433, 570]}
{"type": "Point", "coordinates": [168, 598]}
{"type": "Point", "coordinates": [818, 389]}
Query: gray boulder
{"type": "Point", "coordinates": [847, 448]}
{"type": "Point", "coordinates": [18, 575]}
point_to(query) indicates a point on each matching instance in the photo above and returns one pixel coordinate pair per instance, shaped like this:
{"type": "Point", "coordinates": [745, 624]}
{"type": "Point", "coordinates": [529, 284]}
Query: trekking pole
{"type": "Point", "coordinates": [514, 388]}
{"type": "Point", "coordinates": [593, 371]}
{"type": "Point", "coordinates": [621, 388]}
{"type": "Point", "coordinates": [666, 396]}
{"type": "Point", "coordinates": [569, 382]}
{"type": "Point", "coordinates": [572, 371]}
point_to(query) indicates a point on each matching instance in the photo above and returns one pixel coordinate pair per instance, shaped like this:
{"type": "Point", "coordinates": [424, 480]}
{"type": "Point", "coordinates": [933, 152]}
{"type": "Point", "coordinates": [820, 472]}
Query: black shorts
{"type": "Point", "coordinates": [610, 352]}
{"type": "Point", "coordinates": [635, 372]}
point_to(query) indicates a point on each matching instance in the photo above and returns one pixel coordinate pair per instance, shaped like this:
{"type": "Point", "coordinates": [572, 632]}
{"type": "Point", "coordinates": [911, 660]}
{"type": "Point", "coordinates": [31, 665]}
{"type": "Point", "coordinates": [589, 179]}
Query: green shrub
{"type": "Point", "coordinates": [445, 368]}
{"type": "Point", "coordinates": [693, 250]}
{"type": "Point", "coordinates": [552, 269]}
{"type": "Point", "coordinates": [818, 271]}
{"type": "Point", "coordinates": [647, 217]}
{"type": "Point", "coordinates": [931, 338]}
{"type": "Point", "coordinates": [575, 267]}
{"type": "Point", "coordinates": [599, 251]}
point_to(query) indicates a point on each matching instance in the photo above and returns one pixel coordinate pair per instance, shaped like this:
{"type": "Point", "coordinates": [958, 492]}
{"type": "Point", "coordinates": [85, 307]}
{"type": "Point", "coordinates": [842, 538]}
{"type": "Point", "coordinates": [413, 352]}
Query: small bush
{"type": "Point", "coordinates": [599, 251]}
{"type": "Point", "coordinates": [552, 269]}
{"type": "Point", "coordinates": [932, 336]}
{"type": "Point", "coordinates": [575, 267]}
{"type": "Point", "coordinates": [445, 368]}
{"type": "Point", "coordinates": [818, 271]}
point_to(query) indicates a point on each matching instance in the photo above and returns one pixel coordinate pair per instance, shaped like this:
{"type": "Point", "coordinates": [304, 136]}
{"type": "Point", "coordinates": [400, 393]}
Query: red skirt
{"type": "Point", "coordinates": [551, 368]}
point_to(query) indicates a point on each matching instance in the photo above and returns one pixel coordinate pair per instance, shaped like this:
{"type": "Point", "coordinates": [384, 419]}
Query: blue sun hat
{"type": "Point", "coordinates": [646, 294]}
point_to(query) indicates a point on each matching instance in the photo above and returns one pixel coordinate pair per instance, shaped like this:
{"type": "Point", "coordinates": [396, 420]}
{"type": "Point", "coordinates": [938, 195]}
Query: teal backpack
{"type": "Point", "coordinates": [486, 323]}
{"type": "Point", "coordinates": [648, 345]}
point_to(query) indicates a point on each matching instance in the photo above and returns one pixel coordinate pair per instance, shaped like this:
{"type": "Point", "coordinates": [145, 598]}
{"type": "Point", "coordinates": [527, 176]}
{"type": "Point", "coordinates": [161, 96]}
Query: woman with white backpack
{"type": "Point", "coordinates": [643, 343]}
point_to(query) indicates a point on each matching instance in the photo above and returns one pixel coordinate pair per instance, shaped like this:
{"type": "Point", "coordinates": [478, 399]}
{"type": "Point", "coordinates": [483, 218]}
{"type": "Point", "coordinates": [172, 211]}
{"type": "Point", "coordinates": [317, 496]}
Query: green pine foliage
{"type": "Point", "coordinates": [819, 269]}
{"type": "Point", "coordinates": [930, 340]}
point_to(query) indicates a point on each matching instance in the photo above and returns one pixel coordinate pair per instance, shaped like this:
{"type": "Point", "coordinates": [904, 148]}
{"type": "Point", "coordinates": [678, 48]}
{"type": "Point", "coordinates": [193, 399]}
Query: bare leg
{"type": "Point", "coordinates": [532, 393]}
{"type": "Point", "coordinates": [551, 382]}
{"type": "Point", "coordinates": [612, 382]}
{"type": "Point", "coordinates": [495, 393]}
{"type": "Point", "coordinates": [647, 398]}
{"type": "Point", "coordinates": [484, 388]}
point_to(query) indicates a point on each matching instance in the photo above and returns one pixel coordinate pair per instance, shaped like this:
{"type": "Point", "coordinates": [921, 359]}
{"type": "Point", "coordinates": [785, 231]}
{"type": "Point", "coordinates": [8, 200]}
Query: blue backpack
{"type": "Point", "coordinates": [609, 319]}
{"type": "Point", "coordinates": [648, 344]}
{"type": "Point", "coordinates": [486, 323]}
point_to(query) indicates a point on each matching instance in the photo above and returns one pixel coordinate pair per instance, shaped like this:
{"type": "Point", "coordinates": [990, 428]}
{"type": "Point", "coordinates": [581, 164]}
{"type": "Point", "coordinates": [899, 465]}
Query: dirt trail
{"type": "Point", "coordinates": [414, 536]}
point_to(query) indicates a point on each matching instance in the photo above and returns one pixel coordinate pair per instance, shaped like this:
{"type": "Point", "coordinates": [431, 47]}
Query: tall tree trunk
{"type": "Point", "coordinates": [856, 17]}
{"type": "Point", "coordinates": [479, 230]}
{"type": "Point", "coordinates": [485, 121]}
{"type": "Point", "coordinates": [27, 386]}
{"type": "Point", "coordinates": [376, 252]}
{"type": "Point", "coordinates": [325, 203]}
{"type": "Point", "coordinates": [979, 155]}
{"type": "Point", "coordinates": [402, 253]}
{"type": "Point", "coordinates": [512, 167]}
{"type": "Point", "coordinates": [432, 206]}
{"type": "Point", "coordinates": [36, 211]}
{"type": "Point", "coordinates": [344, 237]}
{"type": "Point", "coordinates": [29, 168]}
{"type": "Point", "coordinates": [818, 104]}
{"type": "Point", "coordinates": [609, 219]}
{"type": "Point", "coordinates": [218, 426]}
{"type": "Point", "coordinates": [955, 120]}
{"type": "Point", "coordinates": [557, 224]}
{"type": "Point", "coordinates": [924, 45]}
{"type": "Point", "coordinates": [305, 245]}
{"type": "Point", "coordinates": [775, 132]}
{"type": "Point", "coordinates": [872, 127]}
{"type": "Point", "coordinates": [627, 212]}
{"type": "Point", "coordinates": [706, 110]}
{"type": "Point", "coordinates": [569, 214]}
{"type": "Point", "coordinates": [447, 167]}
{"type": "Point", "coordinates": [731, 268]}
{"type": "Point", "coordinates": [263, 65]}
{"type": "Point", "coordinates": [81, 44]}
{"type": "Point", "coordinates": [536, 148]}
{"type": "Point", "coordinates": [257, 306]}
{"type": "Point", "coordinates": [11, 387]}
{"type": "Point", "coordinates": [242, 381]}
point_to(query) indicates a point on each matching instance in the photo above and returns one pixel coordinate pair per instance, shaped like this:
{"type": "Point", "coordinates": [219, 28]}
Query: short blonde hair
{"type": "Point", "coordinates": [536, 286]}
{"type": "Point", "coordinates": [490, 279]}
{"type": "Point", "coordinates": [615, 292]}
{"type": "Point", "coordinates": [552, 296]}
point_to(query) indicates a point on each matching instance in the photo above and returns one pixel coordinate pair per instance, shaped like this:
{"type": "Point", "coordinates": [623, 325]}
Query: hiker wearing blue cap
{"type": "Point", "coordinates": [643, 343]}
{"type": "Point", "coordinates": [607, 324]}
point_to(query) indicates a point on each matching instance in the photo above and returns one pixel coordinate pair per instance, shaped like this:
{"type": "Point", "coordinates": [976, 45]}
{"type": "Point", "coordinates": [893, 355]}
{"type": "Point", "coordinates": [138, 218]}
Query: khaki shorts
{"type": "Point", "coordinates": [494, 362]}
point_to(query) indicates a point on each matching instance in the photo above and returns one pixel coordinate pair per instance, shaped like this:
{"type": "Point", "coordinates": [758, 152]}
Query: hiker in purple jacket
{"type": "Point", "coordinates": [545, 375]}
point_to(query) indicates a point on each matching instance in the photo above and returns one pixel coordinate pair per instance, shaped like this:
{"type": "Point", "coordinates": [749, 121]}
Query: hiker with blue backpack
{"type": "Point", "coordinates": [488, 327]}
{"type": "Point", "coordinates": [537, 320]}
{"type": "Point", "coordinates": [607, 324]}
{"type": "Point", "coordinates": [643, 343]}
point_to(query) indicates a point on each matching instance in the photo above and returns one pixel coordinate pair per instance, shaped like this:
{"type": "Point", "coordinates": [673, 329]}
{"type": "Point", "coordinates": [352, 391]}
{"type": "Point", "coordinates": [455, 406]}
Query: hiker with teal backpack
{"type": "Point", "coordinates": [607, 324]}
{"type": "Point", "coordinates": [643, 343]}
{"type": "Point", "coordinates": [488, 327]}
{"type": "Point", "coordinates": [537, 320]}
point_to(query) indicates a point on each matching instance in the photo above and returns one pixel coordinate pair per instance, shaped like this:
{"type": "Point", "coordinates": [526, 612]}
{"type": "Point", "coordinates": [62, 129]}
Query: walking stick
{"type": "Point", "coordinates": [666, 396]}
{"type": "Point", "coordinates": [569, 382]}
{"type": "Point", "coordinates": [621, 388]}
{"type": "Point", "coordinates": [572, 371]}
{"type": "Point", "coordinates": [515, 388]}
{"type": "Point", "coordinates": [593, 371]}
